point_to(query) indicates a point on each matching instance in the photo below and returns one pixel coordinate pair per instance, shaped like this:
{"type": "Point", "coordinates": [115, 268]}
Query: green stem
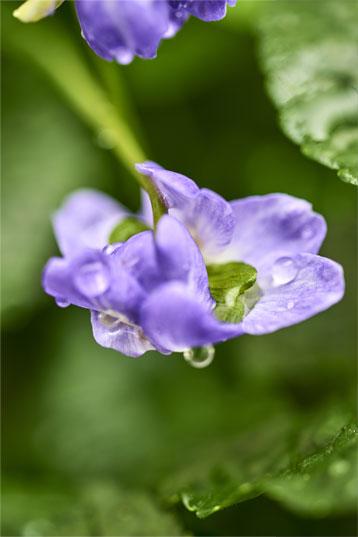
{"type": "Point", "coordinates": [49, 45]}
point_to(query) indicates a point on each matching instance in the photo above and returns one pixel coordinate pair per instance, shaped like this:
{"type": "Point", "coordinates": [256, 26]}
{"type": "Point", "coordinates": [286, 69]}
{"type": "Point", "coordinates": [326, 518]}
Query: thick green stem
{"type": "Point", "coordinates": [49, 45]}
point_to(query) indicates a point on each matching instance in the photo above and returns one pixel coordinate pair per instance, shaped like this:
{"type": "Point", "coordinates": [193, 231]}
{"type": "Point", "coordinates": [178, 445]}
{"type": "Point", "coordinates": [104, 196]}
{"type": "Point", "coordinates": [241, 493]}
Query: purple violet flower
{"type": "Point", "coordinates": [121, 29]}
{"type": "Point", "coordinates": [153, 290]}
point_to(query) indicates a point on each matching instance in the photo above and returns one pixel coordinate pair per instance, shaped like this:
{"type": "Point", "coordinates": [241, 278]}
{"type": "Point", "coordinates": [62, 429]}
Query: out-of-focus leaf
{"type": "Point", "coordinates": [324, 482]}
{"type": "Point", "coordinates": [126, 229]}
{"type": "Point", "coordinates": [309, 53]}
{"type": "Point", "coordinates": [103, 413]}
{"type": "Point", "coordinates": [283, 456]}
{"type": "Point", "coordinates": [46, 153]}
{"type": "Point", "coordinates": [98, 508]}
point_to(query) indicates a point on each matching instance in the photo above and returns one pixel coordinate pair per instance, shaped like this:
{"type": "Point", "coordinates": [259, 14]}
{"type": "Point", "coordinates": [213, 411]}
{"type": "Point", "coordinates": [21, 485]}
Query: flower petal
{"type": "Point", "coordinates": [173, 319]}
{"type": "Point", "coordinates": [180, 259]}
{"type": "Point", "coordinates": [120, 29]}
{"type": "Point", "coordinates": [208, 11]}
{"type": "Point", "coordinates": [317, 285]}
{"type": "Point", "coordinates": [80, 281]}
{"type": "Point", "coordinates": [272, 226]}
{"type": "Point", "coordinates": [175, 188]}
{"type": "Point", "coordinates": [207, 215]}
{"type": "Point", "coordinates": [85, 220]}
{"type": "Point", "coordinates": [210, 220]}
{"type": "Point", "coordinates": [123, 337]}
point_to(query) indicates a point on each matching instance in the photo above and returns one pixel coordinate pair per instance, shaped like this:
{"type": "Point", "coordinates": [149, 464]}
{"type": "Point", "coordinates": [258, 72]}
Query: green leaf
{"type": "Point", "coordinates": [323, 482]}
{"type": "Point", "coordinates": [99, 508]}
{"type": "Point", "coordinates": [309, 54]}
{"type": "Point", "coordinates": [126, 229]}
{"type": "Point", "coordinates": [227, 284]}
{"type": "Point", "coordinates": [287, 460]}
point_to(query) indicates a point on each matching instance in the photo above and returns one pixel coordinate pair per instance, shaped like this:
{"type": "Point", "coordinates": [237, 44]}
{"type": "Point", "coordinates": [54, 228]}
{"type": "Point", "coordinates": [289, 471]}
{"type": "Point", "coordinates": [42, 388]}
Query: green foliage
{"type": "Point", "coordinates": [282, 457]}
{"type": "Point", "coordinates": [309, 53]}
{"type": "Point", "coordinates": [98, 508]}
{"type": "Point", "coordinates": [83, 424]}
{"type": "Point", "coordinates": [126, 229]}
{"type": "Point", "coordinates": [227, 284]}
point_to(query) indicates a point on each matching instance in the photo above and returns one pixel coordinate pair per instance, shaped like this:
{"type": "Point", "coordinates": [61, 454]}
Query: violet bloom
{"type": "Point", "coordinates": [153, 291]}
{"type": "Point", "coordinates": [121, 29]}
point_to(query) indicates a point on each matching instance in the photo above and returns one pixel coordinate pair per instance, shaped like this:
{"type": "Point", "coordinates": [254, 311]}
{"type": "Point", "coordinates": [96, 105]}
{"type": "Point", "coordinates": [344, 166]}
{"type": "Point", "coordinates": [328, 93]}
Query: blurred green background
{"type": "Point", "coordinates": [93, 440]}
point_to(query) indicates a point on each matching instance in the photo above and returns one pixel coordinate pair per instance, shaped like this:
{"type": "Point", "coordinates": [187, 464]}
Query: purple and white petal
{"type": "Point", "coordinates": [210, 220]}
{"type": "Point", "coordinates": [85, 220]}
{"type": "Point", "coordinates": [207, 215]}
{"type": "Point", "coordinates": [121, 29]}
{"type": "Point", "coordinates": [300, 287]}
{"type": "Point", "coordinates": [273, 226]}
{"type": "Point", "coordinates": [116, 333]}
{"type": "Point", "coordinates": [180, 259]}
{"type": "Point", "coordinates": [173, 319]}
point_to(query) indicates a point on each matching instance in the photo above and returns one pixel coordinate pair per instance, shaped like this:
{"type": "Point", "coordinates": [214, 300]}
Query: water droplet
{"type": "Point", "coordinates": [339, 468]}
{"type": "Point", "coordinates": [284, 271]}
{"type": "Point", "coordinates": [200, 357]}
{"type": "Point", "coordinates": [92, 279]}
{"type": "Point", "coordinates": [61, 302]}
{"type": "Point", "coordinates": [290, 304]}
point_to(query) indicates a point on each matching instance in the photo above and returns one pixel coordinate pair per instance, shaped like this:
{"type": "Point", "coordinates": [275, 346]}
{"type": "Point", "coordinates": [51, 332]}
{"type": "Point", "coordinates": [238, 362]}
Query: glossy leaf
{"type": "Point", "coordinates": [309, 54]}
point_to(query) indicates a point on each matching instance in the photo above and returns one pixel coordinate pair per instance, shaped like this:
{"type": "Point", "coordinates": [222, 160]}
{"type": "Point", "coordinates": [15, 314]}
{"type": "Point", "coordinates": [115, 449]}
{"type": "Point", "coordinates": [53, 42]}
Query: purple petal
{"type": "Point", "coordinates": [175, 320]}
{"type": "Point", "coordinates": [138, 257]}
{"type": "Point", "coordinates": [210, 220]}
{"type": "Point", "coordinates": [175, 188]}
{"type": "Point", "coordinates": [94, 280]}
{"type": "Point", "coordinates": [207, 215]}
{"type": "Point", "coordinates": [86, 220]}
{"type": "Point", "coordinates": [120, 29]}
{"type": "Point", "coordinates": [209, 10]}
{"type": "Point", "coordinates": [112, 333]}
{"type": "Point", "coordinates": [273, 226]}
{"type": "Point", "coordinates": [180, 258]}
{"type": "Point", "coordinates": [81, 281]}
{"type": "Point", "coordinates": [314, 284]}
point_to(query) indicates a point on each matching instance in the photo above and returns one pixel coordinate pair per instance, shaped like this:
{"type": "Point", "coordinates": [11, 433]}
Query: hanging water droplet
{"type": "Point", "coordinates": [200, 357]}
{"type": "Point", "coordinates": [62, 303]}
{"type": "Point", "coordinates": [284, 271]}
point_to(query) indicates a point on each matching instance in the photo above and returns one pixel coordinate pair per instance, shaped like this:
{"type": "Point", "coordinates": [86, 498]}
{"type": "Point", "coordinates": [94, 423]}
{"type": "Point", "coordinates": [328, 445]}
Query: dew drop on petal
{"type": "Point", "coordinates": [92, 279]}
{"type": "Point", "coordinates": [290, 304]}
{"type": "Point", "coordinates": [284, 271]}
{"type": "Point", "coordinates": [61, 302]}
{"type": "Point", "coordinates": [200, 357]}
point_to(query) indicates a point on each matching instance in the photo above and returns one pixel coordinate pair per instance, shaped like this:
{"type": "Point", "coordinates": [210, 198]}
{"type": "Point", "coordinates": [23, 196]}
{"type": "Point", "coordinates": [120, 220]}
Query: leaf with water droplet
{"type": "Point", "coordinates": [126, 229]}
{"type": "Point", "coordinates": [309, 53]}
{"type": "Point", "coordinates": [309, 465]}
{"type": "Point", "coordinates": [228, 282]}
